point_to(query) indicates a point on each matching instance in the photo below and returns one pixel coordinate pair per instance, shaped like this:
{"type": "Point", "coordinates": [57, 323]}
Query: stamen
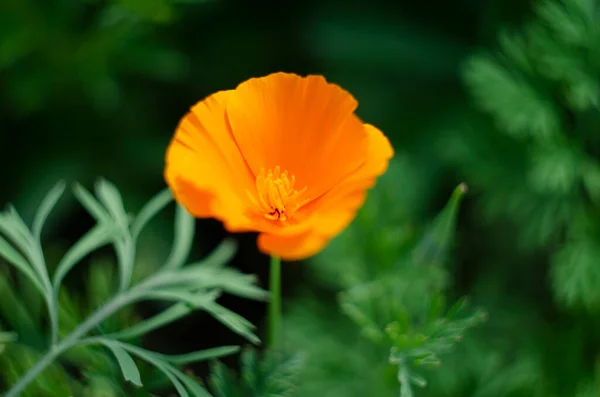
{"type": "Point", "coordinates": [275, 195]}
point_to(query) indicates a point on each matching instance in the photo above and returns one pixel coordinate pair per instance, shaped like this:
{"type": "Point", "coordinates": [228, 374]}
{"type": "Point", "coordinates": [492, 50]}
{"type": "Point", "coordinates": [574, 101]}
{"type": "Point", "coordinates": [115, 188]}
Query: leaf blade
{"type": "Point", "coordinates": [128, 367]}
{"type": "Point", "coordinates": [182, 242]}
{"type": "Point", "coordinates": [202, 355]}
{"type": "Point", "coordinates": [95, 238]}
{"type": "Point", "coordinates": [46, 207]}
{"type": "Point", "coordinates": [13, 257]}
{"type": "Point", "coordinates": [153, 207]}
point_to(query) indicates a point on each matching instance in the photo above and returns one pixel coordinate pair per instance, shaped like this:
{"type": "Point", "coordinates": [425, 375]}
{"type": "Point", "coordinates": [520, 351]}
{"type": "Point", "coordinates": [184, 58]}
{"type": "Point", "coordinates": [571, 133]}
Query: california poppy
{"type": "Point", "coordinates": [282, 155]}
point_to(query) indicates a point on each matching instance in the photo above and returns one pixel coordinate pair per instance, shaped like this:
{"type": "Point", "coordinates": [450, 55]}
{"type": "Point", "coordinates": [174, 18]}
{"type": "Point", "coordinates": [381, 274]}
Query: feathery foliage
{"type": "Point", "coordinates": [393, 282]}
{"type": "Point", "coordinates": [274, 374]}
{"type": "Point", "coordinates": [73, 336]}
{"type": "Point", "coordinates": [543, 90]}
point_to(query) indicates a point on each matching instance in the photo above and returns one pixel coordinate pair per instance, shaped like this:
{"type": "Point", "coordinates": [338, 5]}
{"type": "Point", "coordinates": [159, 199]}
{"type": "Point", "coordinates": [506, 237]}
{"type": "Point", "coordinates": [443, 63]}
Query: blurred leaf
{"type": "Point", "coordinates": [576, 274]}
{"type": "Point", "coordinates": [233, 321]}
{"type": "Point", "coordinates": [153, 207]}
{"type": "Point", "coordinates": [111, 198]}
{"type": "Point", "coordinates": [165, 317]}
{"type": "Point", "coordinates": [46, 207]}
{"type": "Point", "coordinates": [520, 109]}
{"type": "Point", "coordinates": [128, 367]}
{"type": "Point", "coordinates": [180, 381]}
{"type": "Point", "coordinates": [571, 20]}
{"type": "Point", "coordinates": [591, 179]}
{"type": "Point", "coordinates": [92, 205]}
{"type": "Point", "coordinates": [202, 355]}
{"type": "Point", "coordinates": [555, 169]}
{"type": "Point", "coordinates": [15, 259]}
{"type": "Point", "coordinates": [433, 247]}
{"type": "Point", "coordinates": [273, 375]}
{"type": "Point", "coordinates": [97, 237]}
{"type": "Point", "coordinates": [18, 358]}
{"type": "Point", "coordinates": [184, 234]}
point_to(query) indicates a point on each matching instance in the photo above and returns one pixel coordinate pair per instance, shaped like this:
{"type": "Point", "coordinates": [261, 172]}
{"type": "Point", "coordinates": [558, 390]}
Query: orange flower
{"type": "Point", "coordinates": [281, 155]}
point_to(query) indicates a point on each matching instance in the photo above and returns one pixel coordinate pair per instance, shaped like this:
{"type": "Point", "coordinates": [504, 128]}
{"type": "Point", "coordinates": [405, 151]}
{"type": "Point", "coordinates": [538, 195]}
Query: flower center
{"type": "Point", "coordinates": [277, 198]}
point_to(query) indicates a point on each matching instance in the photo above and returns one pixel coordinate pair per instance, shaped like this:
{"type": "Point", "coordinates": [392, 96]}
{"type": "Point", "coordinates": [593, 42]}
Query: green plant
{"type": "Point", "coordinates": [541, 89]}
{"type": "Point", "coordinates": [392, 285]}
{"type": "Point", "coordinates": [195, 286]}
{"type": "Point", "coordinates": [275, 374]}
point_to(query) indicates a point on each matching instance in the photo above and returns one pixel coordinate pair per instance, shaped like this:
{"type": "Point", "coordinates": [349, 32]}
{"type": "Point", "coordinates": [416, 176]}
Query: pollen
{"type": "Point", "coordinates": [276, 197]}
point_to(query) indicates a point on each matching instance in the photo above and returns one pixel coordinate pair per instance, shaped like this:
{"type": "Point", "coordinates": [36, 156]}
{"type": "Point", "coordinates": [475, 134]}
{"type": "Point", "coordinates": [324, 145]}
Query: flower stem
{"type": "Point", "coordinates": [274, 331]}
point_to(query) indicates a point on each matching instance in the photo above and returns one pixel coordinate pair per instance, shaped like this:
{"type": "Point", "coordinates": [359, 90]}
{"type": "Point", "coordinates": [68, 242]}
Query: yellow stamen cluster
{"type": "Point", "coordinates": [277, 198]}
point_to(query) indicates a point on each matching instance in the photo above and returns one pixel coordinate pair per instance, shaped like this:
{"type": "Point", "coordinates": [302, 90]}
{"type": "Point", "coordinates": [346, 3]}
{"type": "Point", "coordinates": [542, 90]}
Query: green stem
{"type": "Point", "coordinates": [274, 334]}
{"type": "Point", "coordinates": [71, 340]}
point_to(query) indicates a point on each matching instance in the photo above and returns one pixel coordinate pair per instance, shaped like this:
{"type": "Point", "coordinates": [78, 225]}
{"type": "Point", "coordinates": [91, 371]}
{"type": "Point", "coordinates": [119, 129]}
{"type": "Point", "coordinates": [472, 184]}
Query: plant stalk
{"type": "Point", "coordinates": [274, 330]}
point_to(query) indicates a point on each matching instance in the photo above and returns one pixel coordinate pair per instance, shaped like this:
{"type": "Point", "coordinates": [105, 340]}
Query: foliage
{"type": "Point", "coordinates": [186, 288]}
{"type": "Point", "coordinates": [82, 97]}
{"type": "Point", "coordinates": [393, 285]}
{"type": "Point", "coordinates": [530, 153]}
{"type": "Point", "coordinates": [44, 59]}
{"type": "Point", "coordinates": [272, 375]}
{"type": "Point", "coordinates": [542, 90]}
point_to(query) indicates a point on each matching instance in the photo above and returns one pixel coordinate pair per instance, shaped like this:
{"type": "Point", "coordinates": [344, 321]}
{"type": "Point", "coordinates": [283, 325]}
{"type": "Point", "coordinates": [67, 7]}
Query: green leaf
{"type": "Point", "coordinates": [165, 317]}
{"type": "Point", "coordinates": [435, 244]}
{"type": "Point", "coordinates": [130, 371]}
{"type": "Point", "coordinates": [575, 274]}
{"type": "Point", "coordinates": [569, 20]}
{"type": "Point", "coordinates": [153, 207]}
{"type": "Point", "coordinates": [202, 355]}
{"type": "Point", "coordinates": [111, 198]}
{"type": "Point", "coordinates": [519, 108]}
{"type": "Point", "coordinates": [92, 205]}
{"type": "Point", "coordinates": [222, 382]}
{"type": "Point", "coordinates": [19, 225]}
{"type": "Point", "coordinates": [46, 207]}
{"type": "Point", "coordinates": [200, 277]}
{"type": "Point", "coordinates": [193, 386]}
{"type": "Point", "coordinates": [554, 169]}
{"type": "Point", "coordinates": [7, 337]}
{"type": "Point", "coordinates": [195, 299]}
{"type": "Point", "coordinates": [9, 226]}
{"type": "Point", "coordinates": [457, 308]}
{"type": "Point", "coordinates": [177, 378]}
{"type": "Point", "coordinates": [184, 235]}
{"type": "Point", "coordinates": [13, 257]}
{"type": "Point", "coordinates": [591, 179]}
{"type": "Point", "coordinates": [220, 256]}
{"type": "Point", "coordinates": [97, 237]}
{"type": "Point", "coordinates": [274, 374]}
{"type": "Point", "coordinates": [233, 321]}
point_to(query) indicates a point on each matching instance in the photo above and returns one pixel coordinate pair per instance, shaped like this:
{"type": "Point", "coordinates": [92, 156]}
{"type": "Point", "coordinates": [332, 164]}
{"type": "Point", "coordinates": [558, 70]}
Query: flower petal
{"type": "Point", "coordinates": [302, 124]}
{"type": "Point", "coordinates": [338, 207]}
{"type": "Point", "coordinates": [331, 213]}
{"type": "Point", "coordinates": [204, 166]}
{"type": "Point", "coordinates": [291, 248]}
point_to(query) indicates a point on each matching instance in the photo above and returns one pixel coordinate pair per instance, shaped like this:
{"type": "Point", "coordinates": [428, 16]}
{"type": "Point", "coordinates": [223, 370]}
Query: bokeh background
{"type": "Point", "coordinates": [499, 94]}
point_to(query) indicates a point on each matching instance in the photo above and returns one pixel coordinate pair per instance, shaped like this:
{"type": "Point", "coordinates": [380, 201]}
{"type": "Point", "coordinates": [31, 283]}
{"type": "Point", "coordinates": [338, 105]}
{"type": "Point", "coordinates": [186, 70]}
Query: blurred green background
{"type": "Point", "coordinates": [500, 94]}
